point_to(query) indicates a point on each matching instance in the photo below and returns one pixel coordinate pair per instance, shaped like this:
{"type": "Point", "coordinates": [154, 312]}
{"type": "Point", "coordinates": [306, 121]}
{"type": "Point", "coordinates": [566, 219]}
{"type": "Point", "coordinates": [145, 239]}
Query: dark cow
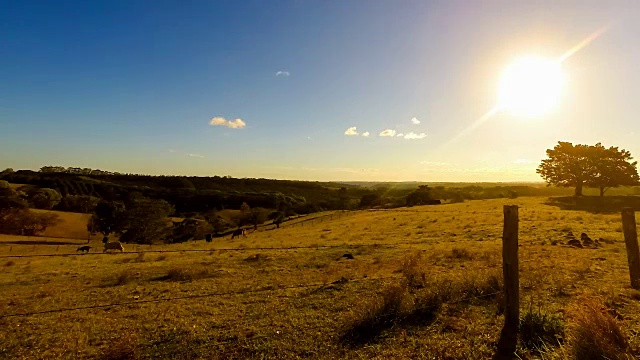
{"type": "Point", "coordinates": [239, 232]}
{"type": "Point", "coordinates": [84, 248]}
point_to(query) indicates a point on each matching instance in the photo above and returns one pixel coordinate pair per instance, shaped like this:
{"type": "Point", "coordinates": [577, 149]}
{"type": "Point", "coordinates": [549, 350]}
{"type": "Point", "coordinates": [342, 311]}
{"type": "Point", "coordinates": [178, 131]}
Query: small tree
{"type": "Point", "coordinates": [145, 221]}
{"type": "Point", "coordinates": [257, 216]}
{"type": "Point", "coordinates": [106, 217]}
{"type": "Point", "coordinates": [278, 218]}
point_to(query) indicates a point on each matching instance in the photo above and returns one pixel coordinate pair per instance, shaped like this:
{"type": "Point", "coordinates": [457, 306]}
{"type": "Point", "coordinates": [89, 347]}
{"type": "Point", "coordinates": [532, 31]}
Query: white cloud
{"type": "Point", "coordinates": [171, 151]}
{"type": "Point", "coordinates": [400, 135]}
{"type": "Point", "coordinates": [366, 134]}
{"type": "Point", "coordinates": [232, 124]}
{"type": "Point", "coordinates": [414, 136]}
{"type": "Point", "coordinates": [415, 121]}
{"type": "Point", "coordinates": [196, 155]}
{"type": "Point", "coordinates": [283, 73]}
{"type": "Point", "coordinates": [351, 131]}
{"type": "Point", "coordinates": [388, 132]}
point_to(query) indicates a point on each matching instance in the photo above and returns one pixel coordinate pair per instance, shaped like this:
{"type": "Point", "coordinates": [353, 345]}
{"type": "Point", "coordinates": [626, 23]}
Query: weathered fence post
{"type": "Point", "coordinates": [509, 335]}
{"type": "Point", "coordinates": [631, 242]}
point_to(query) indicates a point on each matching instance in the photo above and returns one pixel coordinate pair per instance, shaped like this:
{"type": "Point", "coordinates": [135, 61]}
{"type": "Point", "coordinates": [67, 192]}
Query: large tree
{"type": "Point", "coordinates": [612, 168]}
{"type": "Point", "coordinates": [580, 165]}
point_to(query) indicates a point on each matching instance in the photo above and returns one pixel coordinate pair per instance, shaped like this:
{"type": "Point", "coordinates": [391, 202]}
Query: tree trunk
{"type": "Point", "coordinates": [601, 190]}
{"type": "Point", "coordinates": [579, 189]}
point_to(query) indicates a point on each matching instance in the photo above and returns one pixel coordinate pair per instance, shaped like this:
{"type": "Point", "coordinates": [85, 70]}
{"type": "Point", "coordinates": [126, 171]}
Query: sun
{"type": "Point", "coordinates": [531, 87]}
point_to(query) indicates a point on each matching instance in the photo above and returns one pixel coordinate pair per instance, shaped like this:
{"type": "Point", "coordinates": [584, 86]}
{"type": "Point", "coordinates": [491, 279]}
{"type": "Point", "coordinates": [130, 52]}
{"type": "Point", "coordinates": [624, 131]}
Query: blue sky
{"type": "Point", "coordinates": [132, 86]}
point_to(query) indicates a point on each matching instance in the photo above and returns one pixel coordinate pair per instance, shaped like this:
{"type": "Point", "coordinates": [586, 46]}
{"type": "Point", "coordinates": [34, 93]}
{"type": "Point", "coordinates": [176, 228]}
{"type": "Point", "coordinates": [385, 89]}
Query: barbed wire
{"type": "Point", "coordinates": [194, 296]}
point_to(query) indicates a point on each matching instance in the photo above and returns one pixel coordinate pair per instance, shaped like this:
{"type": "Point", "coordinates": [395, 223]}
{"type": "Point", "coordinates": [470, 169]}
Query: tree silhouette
{"type": "Point", "coordinates": [613, 168]}
{"type": "Point", "coordinates": [580, 165]}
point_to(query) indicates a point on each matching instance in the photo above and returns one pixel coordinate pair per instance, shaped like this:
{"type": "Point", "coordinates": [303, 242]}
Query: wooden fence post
{"type": "Point", "coordinates": [509, 335]}
{"type": "Point", "coordinates": [631, 242]}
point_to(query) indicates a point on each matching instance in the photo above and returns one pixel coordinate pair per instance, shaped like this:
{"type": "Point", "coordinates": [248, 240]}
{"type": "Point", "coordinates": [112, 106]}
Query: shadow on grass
{"type": "Point", "coordinates": [595, 204]}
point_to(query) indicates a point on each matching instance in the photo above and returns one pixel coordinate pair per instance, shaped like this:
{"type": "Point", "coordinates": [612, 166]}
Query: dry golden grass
{"type": "Point", "coordinates": [445, 259]}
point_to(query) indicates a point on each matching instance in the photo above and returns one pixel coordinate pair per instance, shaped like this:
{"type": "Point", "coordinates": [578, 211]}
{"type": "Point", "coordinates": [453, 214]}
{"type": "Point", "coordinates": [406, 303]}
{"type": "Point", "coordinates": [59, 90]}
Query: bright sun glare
{"type": "Point", "coordinates": [531, 86]}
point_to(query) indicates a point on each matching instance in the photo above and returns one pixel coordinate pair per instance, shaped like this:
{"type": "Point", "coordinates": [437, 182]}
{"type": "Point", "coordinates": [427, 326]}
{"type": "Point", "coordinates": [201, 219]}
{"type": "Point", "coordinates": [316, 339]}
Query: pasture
{"type": "Point", "coordinates": [289, 293]}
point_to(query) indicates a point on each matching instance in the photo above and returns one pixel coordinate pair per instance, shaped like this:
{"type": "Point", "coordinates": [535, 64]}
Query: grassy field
{"type": "Point", "coordinates": [424, 283]}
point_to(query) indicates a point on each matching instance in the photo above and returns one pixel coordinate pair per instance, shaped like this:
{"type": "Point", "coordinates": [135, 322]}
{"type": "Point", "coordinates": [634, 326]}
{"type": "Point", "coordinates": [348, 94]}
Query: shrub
{"type": "Point", "coordinates": [594, 333]}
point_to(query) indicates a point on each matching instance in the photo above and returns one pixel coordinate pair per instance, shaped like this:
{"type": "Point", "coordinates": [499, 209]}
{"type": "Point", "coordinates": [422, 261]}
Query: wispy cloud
{"type": "Point", "coordinates": [171, 151]}
{"type": "Point", "coordinates": [415, 121]}
{"type": "Point", "coordinates": [388, 132]}
{"type": "Point", "coordinates": [351, 131]}
{"type": "Point", "coordinates": [196, 155]}
{"type": "Point", "coordinates": [283, 73]}
{"type": "Point", "coordinates": [400, 135]}
{"type": "Point", "coordinates": [366, 134]}
{"type": "Point", "coordinates": [232, 124]}
{"type": "Point", "coordinates": [414, 136]}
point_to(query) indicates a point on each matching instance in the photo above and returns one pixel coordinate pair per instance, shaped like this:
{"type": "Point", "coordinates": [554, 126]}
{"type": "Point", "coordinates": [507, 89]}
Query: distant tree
{"type": "Point", "coordinates": [580, 165]}
{"type": "Point", "coordinates": [258, 216]}
{"type": "Point", "coordinates": [145, 221]}
{"type": "Point", "coordinates": [278, 218]}
{"type": "Point", "coordinates": [420, 196]}
{"type": "Point", "coordinates": [106, 217]}
{"type": "Point", "coordinates": [78, 203]}
{"type": "Point", "coordinates": [613, 168]}
{"type": "Point", "coordinates": [369, 200]}
{"type": "Point", "coordinates": [189, 229]}
{"type": "Point", "coordinates": [5, 172]}
{"type": "Point", "coordinates": [44, 198]}
{"type": "Point", "coordinates": [25, 222]}
{"type": "Point", "coordinates": [10, 198]}
{"type": "Point", "coordinates": [245, 215]}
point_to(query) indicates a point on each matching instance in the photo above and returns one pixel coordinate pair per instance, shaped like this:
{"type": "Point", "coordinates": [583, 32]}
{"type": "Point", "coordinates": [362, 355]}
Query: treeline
{"type": "Point", "coordinates": [80, 191]}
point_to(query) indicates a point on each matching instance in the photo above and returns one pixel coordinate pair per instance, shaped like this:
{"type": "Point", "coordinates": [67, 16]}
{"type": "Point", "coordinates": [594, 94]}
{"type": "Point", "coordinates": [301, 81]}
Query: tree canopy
{"type": "Point", "coordinates": [580, 165]}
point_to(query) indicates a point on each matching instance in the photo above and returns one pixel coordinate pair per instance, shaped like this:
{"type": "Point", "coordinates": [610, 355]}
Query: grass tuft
{"type": "Point", "coordinates": [373, 317]}
{"type": "Point", "coordinates": [123, 347]}
{"type": "Point", "coordinates": [538, 329]}
{"type": "Point", "coordinates": [186, 274]}
{"type": "Point", "coordinates": [461, 254]}
{"type": "Point", "coordinates": [594, 333]}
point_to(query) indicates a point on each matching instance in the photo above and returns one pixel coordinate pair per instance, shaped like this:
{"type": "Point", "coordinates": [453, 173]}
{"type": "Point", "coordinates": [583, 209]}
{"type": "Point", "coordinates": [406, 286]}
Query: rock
{"type": "Point", "coordinates": [347, 256]}
{"type": "Point", "coordinates": [575, 243]}
{"type": "Point", "coordinates": [586, 240]}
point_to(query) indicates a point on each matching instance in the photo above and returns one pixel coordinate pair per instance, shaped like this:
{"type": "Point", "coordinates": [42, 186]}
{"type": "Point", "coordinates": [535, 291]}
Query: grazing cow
{"type": "Point", "coordinates": [239, 232]}
{"type": "Point", "coordinates": [84, 248]}
{"type": "Point", "coordinates": [116, 245]}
